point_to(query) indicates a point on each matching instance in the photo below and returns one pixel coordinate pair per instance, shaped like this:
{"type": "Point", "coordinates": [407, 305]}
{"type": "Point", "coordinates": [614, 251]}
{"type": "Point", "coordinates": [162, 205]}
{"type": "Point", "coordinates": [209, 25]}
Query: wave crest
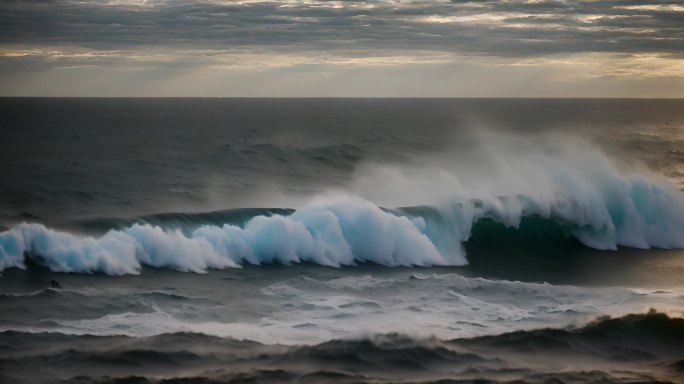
{"type": "Point", "coordinates": [332, 235]}
{"type": "Point", "coordinates": [610, 212]}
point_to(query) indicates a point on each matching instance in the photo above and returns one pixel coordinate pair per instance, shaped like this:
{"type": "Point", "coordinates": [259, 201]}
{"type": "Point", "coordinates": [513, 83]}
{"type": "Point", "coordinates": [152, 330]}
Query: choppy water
{"type": "Point", "coordinates": [341, 240]}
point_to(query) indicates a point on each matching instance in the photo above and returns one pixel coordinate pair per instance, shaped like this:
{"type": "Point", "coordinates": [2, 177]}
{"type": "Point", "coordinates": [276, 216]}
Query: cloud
{"type": "Point", "coordinates": [250, 36]}
{"type": "Point", "coordinates": [503, 28]}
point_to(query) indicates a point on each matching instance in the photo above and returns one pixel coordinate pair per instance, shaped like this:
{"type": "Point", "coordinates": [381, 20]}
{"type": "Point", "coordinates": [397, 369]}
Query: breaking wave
{"type": "Point", "coordinates": [605, 214]}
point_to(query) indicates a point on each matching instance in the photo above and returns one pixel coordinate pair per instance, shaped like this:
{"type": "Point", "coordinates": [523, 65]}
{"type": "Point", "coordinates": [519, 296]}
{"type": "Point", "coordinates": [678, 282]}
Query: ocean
{"type": "Point", "coordinates": [227, 240]}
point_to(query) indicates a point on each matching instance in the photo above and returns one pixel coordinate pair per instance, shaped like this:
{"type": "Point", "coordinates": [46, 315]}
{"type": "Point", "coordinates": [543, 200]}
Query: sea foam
{"type": "Point", "coordinates": [345, 231]}
{"type": "Point", "coordinates": [581, 191]}
{"type": "Point", "coordinates": [341, 233]}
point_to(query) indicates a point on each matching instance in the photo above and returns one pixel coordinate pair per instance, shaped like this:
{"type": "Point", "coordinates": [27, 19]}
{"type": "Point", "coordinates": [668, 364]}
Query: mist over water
{"type": "Point", "coordinates": [399, 239]}
{"type": "Point", "coordinates": [416, 212]}
{"type": "Point", "coordinates": [79, 159]}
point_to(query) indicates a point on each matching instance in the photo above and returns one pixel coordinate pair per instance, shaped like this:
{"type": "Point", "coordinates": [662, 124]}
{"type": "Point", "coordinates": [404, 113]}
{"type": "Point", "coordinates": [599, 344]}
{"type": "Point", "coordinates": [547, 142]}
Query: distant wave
{"type": "Point", "coordinates": [633, 348]}
{"type": "Point", "coordinates": [605, 214]}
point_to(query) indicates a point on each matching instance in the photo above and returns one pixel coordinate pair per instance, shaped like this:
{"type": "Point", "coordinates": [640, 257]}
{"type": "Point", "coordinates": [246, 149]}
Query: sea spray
{"type": "Point", "coordinates": [617, 211]}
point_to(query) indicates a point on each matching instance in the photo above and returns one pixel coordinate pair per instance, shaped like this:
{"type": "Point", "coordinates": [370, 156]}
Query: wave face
{"type": "Point", "coordinates": [604, 212]}
{"type": "Point", "coordinates": [332, 235]}
{"type": "Point", "coordinates": [423, 182]}
{"type": "Point", "coordinates": [634, 348]}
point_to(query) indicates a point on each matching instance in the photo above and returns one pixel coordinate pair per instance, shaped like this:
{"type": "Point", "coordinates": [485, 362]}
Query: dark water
{"type": "Point", "coordinates": [635, 348]}
{"type": "Point", "coordinates": [341, 240]}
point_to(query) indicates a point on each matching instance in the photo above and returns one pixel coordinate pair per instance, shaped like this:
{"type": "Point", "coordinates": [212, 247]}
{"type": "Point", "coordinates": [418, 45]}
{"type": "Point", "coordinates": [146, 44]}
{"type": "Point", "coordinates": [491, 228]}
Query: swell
{"type": "Point", "coordinates": [186, 222]}
{"type": "Point", "coordinates": [345, 231]}
{"type": "Point", "coordinates": [636, 347]}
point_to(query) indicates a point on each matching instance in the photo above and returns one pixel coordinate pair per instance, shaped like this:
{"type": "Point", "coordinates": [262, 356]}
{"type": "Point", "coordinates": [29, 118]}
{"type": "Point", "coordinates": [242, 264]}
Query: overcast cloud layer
{"type": "Point", "coordinates": [342, 48]}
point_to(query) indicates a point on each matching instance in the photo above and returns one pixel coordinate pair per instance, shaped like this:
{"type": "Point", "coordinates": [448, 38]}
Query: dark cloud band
{"type": "Point", "coordinates": [498, 28]}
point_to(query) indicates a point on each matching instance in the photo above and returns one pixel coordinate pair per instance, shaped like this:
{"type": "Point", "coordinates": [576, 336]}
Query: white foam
{"type": "Point", "coordinates": [305, 310]}
{"type": "Point", "coordinates": [336, 234]}
{"type": "Point", "coordinates": [582, 189]}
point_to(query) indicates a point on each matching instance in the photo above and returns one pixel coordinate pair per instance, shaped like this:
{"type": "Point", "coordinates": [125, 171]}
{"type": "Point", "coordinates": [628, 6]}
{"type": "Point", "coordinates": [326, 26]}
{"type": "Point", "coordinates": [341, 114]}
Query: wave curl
{"type": "Point", "coordinates": [631, 212]}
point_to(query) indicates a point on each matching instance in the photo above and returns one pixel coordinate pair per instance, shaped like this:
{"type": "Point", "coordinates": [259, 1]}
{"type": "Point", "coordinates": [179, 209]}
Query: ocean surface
{"type": "Point", "coordinates": [341, 240]}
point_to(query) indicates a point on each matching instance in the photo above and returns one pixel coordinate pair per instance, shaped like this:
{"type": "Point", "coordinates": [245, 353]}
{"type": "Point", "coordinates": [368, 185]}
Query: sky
{"type": "Point", "coordinates": [342, 48]}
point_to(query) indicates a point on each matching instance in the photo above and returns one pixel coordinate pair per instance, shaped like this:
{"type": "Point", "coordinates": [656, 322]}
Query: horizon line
{"type": "Point", "coordinates": [354, 97]}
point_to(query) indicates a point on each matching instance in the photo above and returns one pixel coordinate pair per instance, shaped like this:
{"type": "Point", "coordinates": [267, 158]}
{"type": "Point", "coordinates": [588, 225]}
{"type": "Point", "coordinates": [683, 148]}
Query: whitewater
{"type": "Point", "coordinates": [592, 202]}
{"type": "Point", "coordinates": [341, 240]}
